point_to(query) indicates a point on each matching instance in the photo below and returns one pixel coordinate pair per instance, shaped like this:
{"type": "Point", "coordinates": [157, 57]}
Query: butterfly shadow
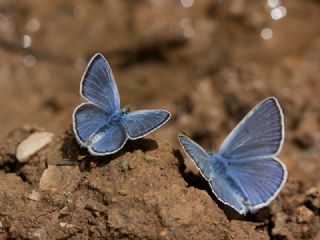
{"type": "Point", "coordinates": [197, 181]}
{"type": "Point", "coordinates": [73, 154]}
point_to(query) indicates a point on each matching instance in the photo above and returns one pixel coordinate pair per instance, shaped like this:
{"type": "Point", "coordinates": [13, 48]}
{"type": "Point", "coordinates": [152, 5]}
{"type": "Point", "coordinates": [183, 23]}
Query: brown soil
{"type": "Point", "coordinates": [207, 64]}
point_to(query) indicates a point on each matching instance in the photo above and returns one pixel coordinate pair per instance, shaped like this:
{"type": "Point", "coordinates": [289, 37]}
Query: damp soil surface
{"type": "Point", "coordinates": [208, 64]}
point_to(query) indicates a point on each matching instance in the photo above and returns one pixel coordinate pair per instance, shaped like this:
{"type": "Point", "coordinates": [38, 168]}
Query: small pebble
{"type": "Point", "coordinates": [66, 225]}
{"type": "Point", "coordinates": [314, 191]}
{"type": "Point", "coordinates": [60, 179]}
{"type": "Point", "coordinates": [32, 144]}
{"type": "Point", "coordinates": [67, 194]}
{"type": "Point", "coordinates": [114, 200]}
{"type": "Point", "coordinates": [47, 179]}
{"type": "Point", "coordinates": [80, 203]}
{"type": "Point", "coordinates": [92, 205]}
{"type": "Point", "coordinates": [40, 234]}
{"type": "Point", "coordinates": [64, 211]}
{"type": "Point", "coordinates": [123, 192]}
{"type": "Point", "coordinates": [124, 166]}
{"type": "Point", "coordinates": [63, 224]}
{"type": "Point", "coordinates": [150, 159]}
{"type": "Point", "coordinates": [163, 233]}
{"type": "Point", "coordinates": [304, 215]}
{"type": "Point", "coordinates": [34, 196]}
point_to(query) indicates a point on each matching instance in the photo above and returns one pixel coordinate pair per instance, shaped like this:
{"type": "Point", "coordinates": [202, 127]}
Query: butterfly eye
{"type": "Point", "coordinates": [125, 110]}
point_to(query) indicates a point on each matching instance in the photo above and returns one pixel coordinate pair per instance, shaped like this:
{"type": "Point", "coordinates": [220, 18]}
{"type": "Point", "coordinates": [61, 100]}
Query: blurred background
{"type": "Point", "coordinates": [208, 62]}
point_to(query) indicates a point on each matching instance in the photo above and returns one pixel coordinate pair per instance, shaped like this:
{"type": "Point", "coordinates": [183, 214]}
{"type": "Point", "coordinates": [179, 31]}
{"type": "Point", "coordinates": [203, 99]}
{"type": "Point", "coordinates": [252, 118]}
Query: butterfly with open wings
{"type": "Point", "coordinates": [99, 124]}
{"type": "Point", "coordinates": [245, 174]}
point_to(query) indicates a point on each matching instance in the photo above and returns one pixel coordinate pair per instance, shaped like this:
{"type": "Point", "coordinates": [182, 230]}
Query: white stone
{"type": "Point", "coordinates": [63, 224]}
{"type": "Point", "coordinates": [34, 196]}
{"type": "Point", "coordinates": [40, 234]}
{"type": "Point", "coordinates": [60, 179]}
{"type": "Point", "coordinates": [32, 144]}
{"type": "Point", "coordinates": [50, 179]}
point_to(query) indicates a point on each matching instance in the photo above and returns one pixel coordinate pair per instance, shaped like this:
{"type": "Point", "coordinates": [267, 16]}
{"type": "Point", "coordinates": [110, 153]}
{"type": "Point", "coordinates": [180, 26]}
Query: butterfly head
{"type": "Point", "coordinates": [125, 110]}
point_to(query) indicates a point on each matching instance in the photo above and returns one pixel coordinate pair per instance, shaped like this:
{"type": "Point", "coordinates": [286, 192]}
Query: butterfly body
{"type": "Point", "coordinates": [245, 174]}
{"type": "Point", "coordinates": [218, 163]}
{"type": "Point", "coordinates": [100, 124]}
{"type": "Point", "coordinates": [219, 170]}
{"type": "Point", "coordinates": [214, 167]}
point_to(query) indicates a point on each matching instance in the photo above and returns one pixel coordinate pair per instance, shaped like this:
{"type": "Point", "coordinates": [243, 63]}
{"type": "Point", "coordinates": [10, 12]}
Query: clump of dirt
{"type": "Point", "coordinates": [296, 213]}
{"type": "Point", "coordinates": [142, 192]}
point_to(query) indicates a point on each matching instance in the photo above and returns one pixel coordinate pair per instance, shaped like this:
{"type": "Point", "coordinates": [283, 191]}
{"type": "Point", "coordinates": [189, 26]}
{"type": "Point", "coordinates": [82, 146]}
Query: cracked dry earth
{"type": "Point", "coordinates": [142, 192]}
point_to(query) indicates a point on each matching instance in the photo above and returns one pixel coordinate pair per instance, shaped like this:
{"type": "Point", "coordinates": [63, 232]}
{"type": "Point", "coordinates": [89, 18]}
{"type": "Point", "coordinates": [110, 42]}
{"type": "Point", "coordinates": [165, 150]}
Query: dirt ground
{"type": "Point", "coordinates": [208, 64]}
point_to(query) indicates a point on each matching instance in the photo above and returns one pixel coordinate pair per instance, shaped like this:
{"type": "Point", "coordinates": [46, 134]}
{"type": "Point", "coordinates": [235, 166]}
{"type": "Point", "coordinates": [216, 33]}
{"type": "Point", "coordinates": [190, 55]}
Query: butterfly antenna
{"type": "Point", "coordinates": [184, 133]}
{"type": "Point", "coordinates": [212, 147]}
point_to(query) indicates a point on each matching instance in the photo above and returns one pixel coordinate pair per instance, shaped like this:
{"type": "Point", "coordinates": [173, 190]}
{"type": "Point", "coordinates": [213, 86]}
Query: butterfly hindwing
{"type": "Point", "coordinates": [109, 141]}
{"type": "Point", "coordinates": [225, 190]}
{"type": "Point", "coordinates": [261, 179]}
{"type": "Point", "coordinates": [139, 123]}
{"type": "Point", "coordinates": [260, 133]}
{"type": "Point", "coordinates": [98, 85]}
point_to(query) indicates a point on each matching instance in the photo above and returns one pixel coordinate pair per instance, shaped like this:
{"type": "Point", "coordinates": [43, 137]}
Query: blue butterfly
{"type": "Point", "coordinates": [245, 174]}
{"type": "Point", "coordinates": [100, 124]}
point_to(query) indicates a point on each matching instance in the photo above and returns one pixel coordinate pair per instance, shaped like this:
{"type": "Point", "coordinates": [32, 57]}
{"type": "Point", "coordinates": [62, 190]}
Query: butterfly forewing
{"type": "Point", "coordinates": [98, 85]}
{"type": "Point", "coordinates": [260, 133]}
